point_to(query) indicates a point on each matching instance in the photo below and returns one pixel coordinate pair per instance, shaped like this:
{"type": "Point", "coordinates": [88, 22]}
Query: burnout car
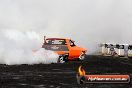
{"type": "Point", "coordinates": [65, 48]}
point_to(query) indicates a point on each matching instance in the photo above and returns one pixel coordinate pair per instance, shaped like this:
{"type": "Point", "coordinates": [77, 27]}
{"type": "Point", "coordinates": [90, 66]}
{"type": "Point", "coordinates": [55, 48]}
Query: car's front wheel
{"type": "Point", "coordinates": [82, 56]}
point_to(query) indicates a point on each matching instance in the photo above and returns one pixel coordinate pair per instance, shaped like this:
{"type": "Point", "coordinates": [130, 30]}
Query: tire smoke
{"type": "Point", "coordinates": [17, 47]}
{"type": "Point", "coordinates": [88, 22]}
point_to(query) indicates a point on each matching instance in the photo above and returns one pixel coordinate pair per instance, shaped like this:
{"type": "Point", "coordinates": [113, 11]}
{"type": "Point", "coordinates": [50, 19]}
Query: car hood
{"type": "Point", "coordinates": [80, 48]}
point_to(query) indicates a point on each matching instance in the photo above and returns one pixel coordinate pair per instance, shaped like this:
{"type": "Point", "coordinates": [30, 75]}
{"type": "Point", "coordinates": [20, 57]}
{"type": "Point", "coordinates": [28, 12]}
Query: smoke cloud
{"type": "Point", "coordinates": [88, 22]}
{"type": "Point", "coordinates": [18, 47]}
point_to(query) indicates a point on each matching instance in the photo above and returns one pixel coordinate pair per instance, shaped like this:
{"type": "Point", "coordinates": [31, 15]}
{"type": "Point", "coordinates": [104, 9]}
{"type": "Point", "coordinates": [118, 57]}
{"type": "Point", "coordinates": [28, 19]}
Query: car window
{"type": "Point", "coordinates": [71, 43]}
{"type": "Point", "coordinates": [56, 42]}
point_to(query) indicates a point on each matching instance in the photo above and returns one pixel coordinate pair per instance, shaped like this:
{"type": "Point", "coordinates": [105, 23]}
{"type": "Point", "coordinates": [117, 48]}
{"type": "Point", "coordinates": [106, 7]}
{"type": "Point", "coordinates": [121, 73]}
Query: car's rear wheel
{"type": "Point", "coordinates": [62, 59]}
{"type": "Point", "coordinates": [82, 56]}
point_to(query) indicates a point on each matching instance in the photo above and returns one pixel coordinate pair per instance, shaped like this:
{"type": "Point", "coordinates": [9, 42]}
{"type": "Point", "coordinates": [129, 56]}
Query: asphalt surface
{"type": "Point", "coordinates": [63, 75]}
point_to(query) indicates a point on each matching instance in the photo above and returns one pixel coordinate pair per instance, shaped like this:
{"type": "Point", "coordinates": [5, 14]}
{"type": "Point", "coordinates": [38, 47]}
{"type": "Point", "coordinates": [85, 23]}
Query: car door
{"type": "Point", "coordinates": [74, 51]}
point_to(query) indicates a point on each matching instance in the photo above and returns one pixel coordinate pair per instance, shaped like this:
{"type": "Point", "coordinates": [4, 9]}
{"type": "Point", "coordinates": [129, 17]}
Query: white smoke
{"type": "Point", "coordinates": [88, 22]}
{"type": "Point", "coordinates": [17, 47]}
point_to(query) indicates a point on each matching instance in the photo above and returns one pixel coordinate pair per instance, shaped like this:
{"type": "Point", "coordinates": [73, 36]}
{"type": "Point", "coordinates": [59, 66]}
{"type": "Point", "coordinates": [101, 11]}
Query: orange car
{"type": "Point", "coordinates": [66, 49]}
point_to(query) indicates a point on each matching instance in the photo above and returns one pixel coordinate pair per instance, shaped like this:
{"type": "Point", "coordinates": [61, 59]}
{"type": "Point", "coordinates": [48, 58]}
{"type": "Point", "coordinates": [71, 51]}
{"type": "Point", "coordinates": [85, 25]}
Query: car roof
{"type": "Point", "coordinates": [55, 38]}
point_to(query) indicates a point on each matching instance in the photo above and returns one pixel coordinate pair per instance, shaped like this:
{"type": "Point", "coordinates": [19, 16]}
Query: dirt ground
{"type": "Point", "coordinates": [63, 75]}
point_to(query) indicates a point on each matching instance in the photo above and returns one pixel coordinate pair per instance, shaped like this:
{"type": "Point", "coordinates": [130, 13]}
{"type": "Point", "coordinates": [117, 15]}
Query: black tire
{"type": "Point", "coordinates": [82, 56]}
{"type": "Point", "coordinates": [62, 59]}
